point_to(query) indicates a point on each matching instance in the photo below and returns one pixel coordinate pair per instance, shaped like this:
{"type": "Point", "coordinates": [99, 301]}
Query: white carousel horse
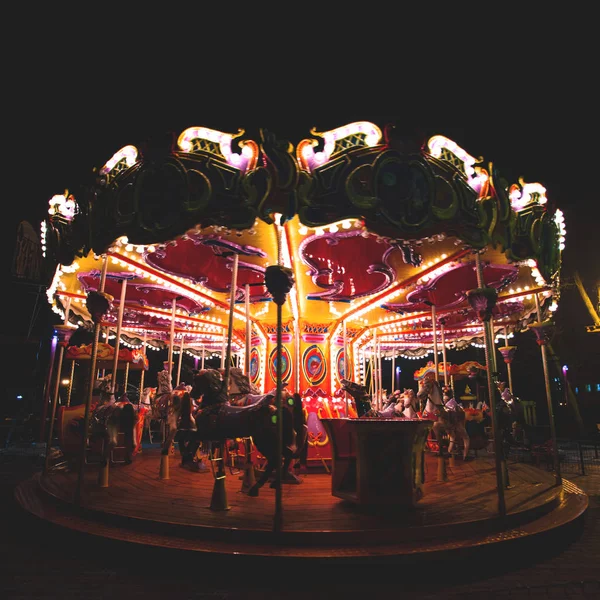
{"type": "Point", "coordinates": [409, 404]}
{"type": "Point", "coordinates": [449, 417]}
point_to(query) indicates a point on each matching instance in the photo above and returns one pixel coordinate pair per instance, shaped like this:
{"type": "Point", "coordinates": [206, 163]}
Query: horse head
{"type": "Point", "coordinates": [239, 382]}
{"type": "Point", "coordinates": [209, 384]}
{"type": "Point", "coordinates": [359, 393]}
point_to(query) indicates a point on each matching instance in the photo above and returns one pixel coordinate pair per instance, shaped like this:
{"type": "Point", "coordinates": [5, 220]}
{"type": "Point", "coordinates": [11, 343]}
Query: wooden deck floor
{"type": "Point", "coordinates": [176, 512]}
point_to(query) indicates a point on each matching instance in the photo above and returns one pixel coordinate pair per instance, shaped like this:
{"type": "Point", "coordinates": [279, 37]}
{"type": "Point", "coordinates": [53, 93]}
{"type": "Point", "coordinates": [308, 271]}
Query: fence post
{"type": "Point", "coordinates": [581, 458]}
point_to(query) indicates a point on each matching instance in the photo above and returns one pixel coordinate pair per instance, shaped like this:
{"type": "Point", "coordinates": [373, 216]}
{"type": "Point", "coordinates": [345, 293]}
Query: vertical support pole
{"type": "Point", "coordinates": [86, 417]}
{"type": "Point", "coordinates": [113, 385]}
{"type": "Point", "coordinates": [143, 371]}
{"type": "Point", "coordinates": [181, 345]}
{"type": "Point", "coordinates": [346, 373]}
{"type": "Point", "coordinates": [248, 329]}
{"type": "Point", "coordinates": [380, 373]}
{"type": "Point", "coordinates": [88, 404]}
{"type": "Point", "coordinates": [444, 352]}
{"type": "Point", "coordinates": [542, 344]}
{"type": "Point", "coordinates": [223, 348]}
{"type": "Point", "coordinates": [126, 377]}
{"type": "Point", "coordinates": [203, 355]}
{"type": "Point", "coordinates": [393, 373]}
{"type": "Point", "coordinates": [435, 346]}
{"type": "Point", "coordinates": [297, 355]}
{"type": "Point", "coordinates": [63, 341]}
{"type": "Point", "coordinates": [509, 363]}
{"type": "Point", "coordinates": [490, 359]}
{"type": "Point", "coordinates": [172, 336]}
{"type": "Point", "coordinates": [48, 386]}
{"type": "Point", "coordinates": [234, 272]}
{"type": "Point", "coordinates": [71, 377]}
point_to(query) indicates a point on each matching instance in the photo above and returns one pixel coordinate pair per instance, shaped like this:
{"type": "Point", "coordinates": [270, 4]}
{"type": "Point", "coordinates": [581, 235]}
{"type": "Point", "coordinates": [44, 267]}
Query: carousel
{"type": "Point", "coordinates": [306, 267]}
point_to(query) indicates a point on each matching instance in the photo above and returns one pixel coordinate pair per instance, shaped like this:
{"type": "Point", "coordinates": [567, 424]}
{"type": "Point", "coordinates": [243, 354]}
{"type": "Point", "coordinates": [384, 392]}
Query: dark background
{"type": "Point", "coordinates": [62, 141]}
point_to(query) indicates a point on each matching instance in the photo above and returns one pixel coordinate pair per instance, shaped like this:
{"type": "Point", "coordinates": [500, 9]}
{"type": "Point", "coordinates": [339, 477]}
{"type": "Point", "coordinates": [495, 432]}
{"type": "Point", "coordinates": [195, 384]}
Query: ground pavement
{"type": "Point", "coordinates": [39, 561]}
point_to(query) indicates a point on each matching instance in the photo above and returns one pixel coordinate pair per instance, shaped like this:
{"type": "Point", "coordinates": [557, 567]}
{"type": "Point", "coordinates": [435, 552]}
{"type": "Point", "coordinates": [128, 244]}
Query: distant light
{"type": "Point", "coordinates": [19, 397]}
{"type": "Point", "coordinates": [565, 368]}
{"type": "Point", "coordinates": [65, 381]}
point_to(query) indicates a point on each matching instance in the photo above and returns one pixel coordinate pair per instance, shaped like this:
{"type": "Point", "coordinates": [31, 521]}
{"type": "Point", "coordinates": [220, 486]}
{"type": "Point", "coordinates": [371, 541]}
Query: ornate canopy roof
{"type": "Point", "coordinates": [376, 228]}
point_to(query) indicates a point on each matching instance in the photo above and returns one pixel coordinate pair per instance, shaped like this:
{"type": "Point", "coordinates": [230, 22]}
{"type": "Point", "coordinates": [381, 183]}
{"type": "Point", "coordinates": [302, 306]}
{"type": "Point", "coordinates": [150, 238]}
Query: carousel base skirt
{"type": "Point", "coordinates": [457, 515]}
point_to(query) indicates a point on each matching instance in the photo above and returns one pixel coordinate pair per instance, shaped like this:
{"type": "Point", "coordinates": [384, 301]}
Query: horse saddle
{"type": "Point", "coordinates": [224, 421]}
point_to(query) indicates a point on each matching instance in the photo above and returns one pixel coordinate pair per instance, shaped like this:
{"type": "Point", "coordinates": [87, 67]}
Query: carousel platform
{"type": "Point", "coordinates": [457, 515]}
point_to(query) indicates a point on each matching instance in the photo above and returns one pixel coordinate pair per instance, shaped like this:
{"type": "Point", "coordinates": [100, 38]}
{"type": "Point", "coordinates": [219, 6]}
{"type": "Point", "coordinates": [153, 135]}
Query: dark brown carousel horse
{"type": "Point", "coordinates": [110, 418]}
{"type": "Point", "coordinates": [218, 420]}
{"type": "Point", "coordinates": [361, 398]}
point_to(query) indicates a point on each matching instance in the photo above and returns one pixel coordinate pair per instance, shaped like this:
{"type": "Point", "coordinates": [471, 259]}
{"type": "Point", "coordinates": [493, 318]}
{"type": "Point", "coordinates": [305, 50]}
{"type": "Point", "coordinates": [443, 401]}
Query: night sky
{"type": "Point", "coordinates": [59, 148]}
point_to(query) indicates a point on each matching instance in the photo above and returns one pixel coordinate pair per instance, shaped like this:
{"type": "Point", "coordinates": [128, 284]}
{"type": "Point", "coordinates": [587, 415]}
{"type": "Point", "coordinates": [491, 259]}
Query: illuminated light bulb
{"type": "Point", "coordinates": [333, 228]}
{"type": "Point", "coordinates": [561, 246]}
{"type": "Point", "coordinates": [303, 230]}
{"type": "Point", "coordinates": [319, 231]}
{"type": "Point", "coordinates": [346, 224]}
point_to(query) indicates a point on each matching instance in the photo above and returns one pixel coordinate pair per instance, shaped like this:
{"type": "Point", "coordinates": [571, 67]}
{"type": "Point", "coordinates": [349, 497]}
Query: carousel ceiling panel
{"type": "Point", "coordinates": [139, 293]}
{"type": "Point", "coordinates": [208, 260]}
{"type": "Point", "coordinates": [450, 288]}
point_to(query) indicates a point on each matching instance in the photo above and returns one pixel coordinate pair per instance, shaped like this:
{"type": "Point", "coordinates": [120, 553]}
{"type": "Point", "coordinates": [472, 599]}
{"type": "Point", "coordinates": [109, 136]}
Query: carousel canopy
{"type": "Point", "coordinates": [376, 230]}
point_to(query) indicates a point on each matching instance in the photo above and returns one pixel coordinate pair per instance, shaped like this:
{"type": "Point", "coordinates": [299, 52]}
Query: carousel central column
{"type": "Point", "coordinates": [542, 331]}
{"type": "Point", "coordinates": [113, 385]}
{"type": "Point", "coordinates": [483, 299]}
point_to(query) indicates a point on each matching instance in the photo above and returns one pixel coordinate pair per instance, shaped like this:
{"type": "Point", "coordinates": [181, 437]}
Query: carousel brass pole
{"type": "Point", "coordinates": [379, 373]}
{"type": "Point", "coordinates": [297, 355]}
{"type": "Point", "coordinates": [143, 372]}
{"type": "Point", "coordinates": [508, 364]}
{"type": "Point", "coordinates": [435, 346]}
{"type": "Point", "coordinates": [203, 354]}
{"type": "Point", "coordinates": [279, 281]}
{"type": "Point", "coordinates": [48, 386]}
{"type": "Point", "coordinates": [219, 494]}
{"type": "Point", "coordinates": [542, 339]}
{"type": "Point", "coordinates": [64, 333]}
{"type": "Point", "coordinates": [71, 377]}
{"type": "Point", "coordinates": [181, 344]}
{"type": "Point", "coordinates": [234, 272]}
{"type": "Point", "coordinates": [113, 385]}
{"type": "Point", "coordinates": [172, 336]}
{"type": "Point", "coordinates": [346, 374]}
{"type": "Point", "coordinates": [126, 378]}
{"type": "Point", "coordinates": [249, 478]}
{"type": "Point", "coordinates": [483, 300]}
{"type": "Point", "coordinates": [444, 352]}
{"type": "Point", "coordinates": [98, 304]}
{"type": "Point", "coordinates": [223, 348]}
{"type": "Point", "coordinates": [393, 372]}
{"type": "Point", "coordinates": [248, 329]}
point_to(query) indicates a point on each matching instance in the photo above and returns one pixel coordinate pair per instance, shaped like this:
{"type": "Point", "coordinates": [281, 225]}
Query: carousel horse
{"type": "Point", "coordinates": [110, 418]}
{"type": "Point", "coordinates": [448, 417]}
{"type": "Point", "coordinates": [361, 398]}
{"type": "Point", "coordinates": [218, 420]}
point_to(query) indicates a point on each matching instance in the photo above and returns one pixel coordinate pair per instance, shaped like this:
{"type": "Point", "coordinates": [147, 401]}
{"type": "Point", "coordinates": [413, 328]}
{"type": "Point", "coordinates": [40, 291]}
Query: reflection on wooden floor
{"type": "Point", "coordinates": [460, 511]}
